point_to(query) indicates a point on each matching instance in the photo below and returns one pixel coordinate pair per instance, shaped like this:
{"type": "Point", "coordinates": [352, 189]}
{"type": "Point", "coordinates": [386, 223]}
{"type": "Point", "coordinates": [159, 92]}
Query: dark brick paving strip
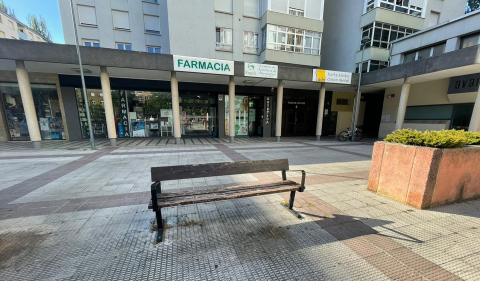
{"type": "Point", "coordinates": [231, 153]}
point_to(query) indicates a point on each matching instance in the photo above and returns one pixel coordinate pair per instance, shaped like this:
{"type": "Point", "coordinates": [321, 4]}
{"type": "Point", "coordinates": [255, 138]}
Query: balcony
{"type": "Point", "coordinates": [292, 21]}
{"type": "Point", "coordinates": [391, 17]}
{"type": "Point", "coordinates": [22, 35]}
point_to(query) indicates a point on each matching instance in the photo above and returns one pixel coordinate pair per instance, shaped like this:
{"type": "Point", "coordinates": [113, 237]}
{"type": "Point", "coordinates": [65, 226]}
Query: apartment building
{"type": "Point", "coordinates": [433, 79]}
{"type": "Point", "coordinates": [11, 28]}
{"type": "Point", "coordinates": [277, 31]}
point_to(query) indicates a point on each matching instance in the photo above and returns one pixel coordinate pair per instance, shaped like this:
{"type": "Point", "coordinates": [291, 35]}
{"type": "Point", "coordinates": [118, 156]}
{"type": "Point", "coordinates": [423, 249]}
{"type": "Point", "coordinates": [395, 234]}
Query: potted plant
{"type": "Point", "coordinates": [426, 169]}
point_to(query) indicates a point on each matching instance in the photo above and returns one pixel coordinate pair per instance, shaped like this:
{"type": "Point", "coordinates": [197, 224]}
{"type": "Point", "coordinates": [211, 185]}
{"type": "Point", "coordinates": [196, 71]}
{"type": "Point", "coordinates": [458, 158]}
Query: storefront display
{"type": "Point", "coordinates": [241, 115]}
{"type": "Point", "coordinates": [47, 108]}
{"type": "Point", "coordinates": [97, 113]}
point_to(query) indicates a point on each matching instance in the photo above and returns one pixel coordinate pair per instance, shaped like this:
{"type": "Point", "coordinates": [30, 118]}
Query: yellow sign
{"type": "Point", "coordinates": [321, 76]}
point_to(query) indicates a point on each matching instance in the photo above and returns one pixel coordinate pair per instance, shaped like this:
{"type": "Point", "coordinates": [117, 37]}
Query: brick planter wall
{"type": "Point", "coordinates": [425, 177]}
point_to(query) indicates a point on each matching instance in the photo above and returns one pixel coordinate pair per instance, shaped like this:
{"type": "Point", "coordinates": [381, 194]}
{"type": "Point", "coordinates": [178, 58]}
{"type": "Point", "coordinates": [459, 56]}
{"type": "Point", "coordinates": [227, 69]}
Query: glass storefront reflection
{"type": "Point", "coordinates": [241, 115]}
{"type": "Point", "coordinates": [47, 107]}
{"type": "Point", "coordinates": [137, 113]}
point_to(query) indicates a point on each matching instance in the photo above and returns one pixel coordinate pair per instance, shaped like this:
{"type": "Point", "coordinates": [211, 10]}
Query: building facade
{"type": "Point", "coordinates": [11, 28]}
{"type": "Point", "coordinates": [434, 78]}
{"type": "Point", "coordinates": [278, 31]}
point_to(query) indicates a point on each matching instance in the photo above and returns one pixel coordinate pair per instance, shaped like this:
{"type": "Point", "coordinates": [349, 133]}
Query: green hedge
{"type": "Point", "coordinates": [439, 139]}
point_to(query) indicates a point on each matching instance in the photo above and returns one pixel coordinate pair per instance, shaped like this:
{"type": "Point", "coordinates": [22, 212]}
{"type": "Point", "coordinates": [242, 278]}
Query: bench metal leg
{"type": "Point", "coordinates": [158, 215]}
{"type": "Point", "coordinates": [292, 198]}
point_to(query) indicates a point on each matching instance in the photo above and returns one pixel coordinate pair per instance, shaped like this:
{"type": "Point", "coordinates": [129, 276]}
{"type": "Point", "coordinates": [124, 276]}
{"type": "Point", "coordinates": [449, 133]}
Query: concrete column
{"type": "Point", "coordinates": [321, 108]}
{"type": "Point", "coordinates": [278, 120]}
{"type": "Point", "coordinates": [475, 121]}
{"type": "Point", "coordinates": [28, 104]}
{"type": "Point", "coordinates": [177, 133]}
{"type": "Point", "coordinates": [108, 105]}
{"type": "Point", "coordinates": [402, 107]}
{"type": "Point", "coordinates": [231, 116]}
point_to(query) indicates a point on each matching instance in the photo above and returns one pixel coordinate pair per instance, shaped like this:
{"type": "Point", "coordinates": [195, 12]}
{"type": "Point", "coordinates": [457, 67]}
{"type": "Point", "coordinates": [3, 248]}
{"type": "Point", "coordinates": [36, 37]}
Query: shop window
{"type": "Point", "coordinates": [241, 115]}
{"type": "Point", "coordinates": [97, 113]}
{"type": "Point", "coordinates": [409, 57]}
{"type": "Point", "coordinates": [430, 112]}
{"type": "Point", "coordinates": [47, 108]}
{"type": "Point", "coordinates": [250, 42]}
{"type": "Point", "coordinates": [469, 41]}
{"type": "Point", "coordinates": [223, 38]}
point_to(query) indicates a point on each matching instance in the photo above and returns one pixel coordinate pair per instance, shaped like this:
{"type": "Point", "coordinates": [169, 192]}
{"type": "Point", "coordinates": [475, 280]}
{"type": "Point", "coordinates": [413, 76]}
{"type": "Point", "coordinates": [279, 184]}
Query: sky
{"type": "Point", "coordinates": [48, 9]}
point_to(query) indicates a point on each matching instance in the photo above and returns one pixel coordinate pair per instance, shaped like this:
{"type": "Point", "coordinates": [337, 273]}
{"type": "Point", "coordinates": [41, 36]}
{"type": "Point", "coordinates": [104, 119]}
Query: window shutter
{"type": "Point", "coordinates": [252, 8]}
{"type": "Point", "coordinates": [224, 5]}
{"type": "Point", "coordinates": [120, 20]}
{"type": "Point", "coordinates": [152, 23]}
{"type": "Point", "coordinates": [87, 15]}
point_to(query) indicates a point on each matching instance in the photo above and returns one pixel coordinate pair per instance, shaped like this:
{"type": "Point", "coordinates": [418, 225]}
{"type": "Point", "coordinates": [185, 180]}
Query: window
{"type": "Point", "coordinates": [424, 53]}
{"type": "Point", "coordinates": [120, 20]}
{"type": "Point", "coordinates": [372, 65]}
{"type": "Point", "coordinates": [383, 34]}
{"type": "Point", "coordinates": [2, 34]}
{"type": "Point", "coordinates": [156, 50]}
{"type": "Point", "coordinates": [223, 38]}
{"type": "Point", "coordinates": [401, 6]}
{"type": "Point", "coordinates": [251, 8]}
{"type": "Point", "coordinates": [296, 12]}
{"type": "Point", "coordinates": [90, 43]}
{"type": "Point", "coordinates": [469, 41]}
{"type": "Point", "coordinates": [86, 15]}
{"type": "Point", "coordinates": [370, 5]}
{"type": "Point", "coordinates": [224, 5]}
{"type": "Point", "coordinates": [10, 24]}
{"type": "Point", "coordinates": [292, 40]}
{"type": "Point", "coordinates": [250, 42]}
{"type": "Point", "coordinates": [102, 102]}
{"type": "Point", "coordinates": [153, 1]}
{"type": "Point", "coordinates": [123, 46]}
{"type": "Point", "coordinates": [152, 24]}
{"type": "Point", "coordinates": [343, 101]}
{"type": "Point", "coordinates": [92, 94]}
{"type": "Point", "coordinates": [0, 19]}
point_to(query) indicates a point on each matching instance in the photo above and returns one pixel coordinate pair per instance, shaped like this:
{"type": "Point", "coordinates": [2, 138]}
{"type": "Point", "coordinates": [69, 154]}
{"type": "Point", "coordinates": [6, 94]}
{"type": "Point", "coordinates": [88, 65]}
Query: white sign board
{"type": "Point", "coordinates": [261, 70]}
{"type": "Point", "coordinates": [201, 65]}
{"type": "Point", "coordinates": [328, 76]}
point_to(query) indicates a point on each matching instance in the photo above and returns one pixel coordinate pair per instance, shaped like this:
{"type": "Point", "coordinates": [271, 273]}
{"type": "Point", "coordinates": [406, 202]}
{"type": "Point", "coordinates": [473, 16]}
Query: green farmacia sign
{"type": "Point", "coordinates": [201, 65]}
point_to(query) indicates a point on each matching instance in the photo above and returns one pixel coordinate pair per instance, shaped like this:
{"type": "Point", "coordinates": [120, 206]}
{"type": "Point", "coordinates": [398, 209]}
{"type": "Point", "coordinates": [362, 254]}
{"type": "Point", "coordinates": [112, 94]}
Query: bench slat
{"type": "Point", "coordinates": [202, 196]}
{"type": "Point", "coordinates": [217, 169]}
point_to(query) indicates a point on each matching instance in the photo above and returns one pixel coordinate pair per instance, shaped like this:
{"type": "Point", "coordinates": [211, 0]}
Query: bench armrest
{"type": "Point", "coordinates": [302, 184]}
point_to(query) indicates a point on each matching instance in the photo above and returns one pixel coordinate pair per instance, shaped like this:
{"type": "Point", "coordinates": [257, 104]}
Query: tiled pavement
{"type": "Point", "coordinates": [67, 213]}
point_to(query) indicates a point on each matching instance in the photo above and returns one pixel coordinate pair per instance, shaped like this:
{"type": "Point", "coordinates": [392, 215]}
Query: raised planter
{"type": "Point", "coordinates": [425, 177]}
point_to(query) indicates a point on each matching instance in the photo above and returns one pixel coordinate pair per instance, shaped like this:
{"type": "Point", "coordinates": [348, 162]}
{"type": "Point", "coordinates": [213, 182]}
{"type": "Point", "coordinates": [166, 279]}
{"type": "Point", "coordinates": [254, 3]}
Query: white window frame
{"type": "Point", "coordinates": [404, 8]}
{"type": "Point", "coordinates": [92, 42]}
{"type": "Point", "coordinates": [80, 18]}
{"type": "Point", "coordinates": [296, 34]}
{"type": "Point", "coordinates": [123, 46]}
{"type": "Point", "coordinates": [154, 48]}
{"type": "Point", "coordinates": [247, 47]}
{"type": "Point", "coordinates": [296, 12]}
{"type": "Point", "coordinates": [223, 44]}
{"type": "Point", "coordinates": [380, 25]}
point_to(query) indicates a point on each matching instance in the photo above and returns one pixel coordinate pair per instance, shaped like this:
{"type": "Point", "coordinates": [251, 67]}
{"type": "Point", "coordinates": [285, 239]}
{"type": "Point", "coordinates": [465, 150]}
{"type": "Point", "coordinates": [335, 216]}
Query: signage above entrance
{"type": "Point", "coordinates": [464, 84]}
{"type": "Point", "coordinates": [261, 70]}
{"type": "Point", "coordinates": [201, 65]}
{"type": "Point", "coordinates": [328, 76]}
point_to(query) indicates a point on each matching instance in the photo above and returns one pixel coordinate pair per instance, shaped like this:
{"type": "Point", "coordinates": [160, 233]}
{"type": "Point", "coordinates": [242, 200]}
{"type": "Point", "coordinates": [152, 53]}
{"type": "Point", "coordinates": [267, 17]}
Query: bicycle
{"type": "Point", "coordinates": [346, 135]}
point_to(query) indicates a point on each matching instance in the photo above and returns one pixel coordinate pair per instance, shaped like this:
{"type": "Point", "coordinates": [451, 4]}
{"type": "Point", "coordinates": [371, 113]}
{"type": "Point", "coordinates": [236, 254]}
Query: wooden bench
{"type": "Point", "coordinates": [162, 200]}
